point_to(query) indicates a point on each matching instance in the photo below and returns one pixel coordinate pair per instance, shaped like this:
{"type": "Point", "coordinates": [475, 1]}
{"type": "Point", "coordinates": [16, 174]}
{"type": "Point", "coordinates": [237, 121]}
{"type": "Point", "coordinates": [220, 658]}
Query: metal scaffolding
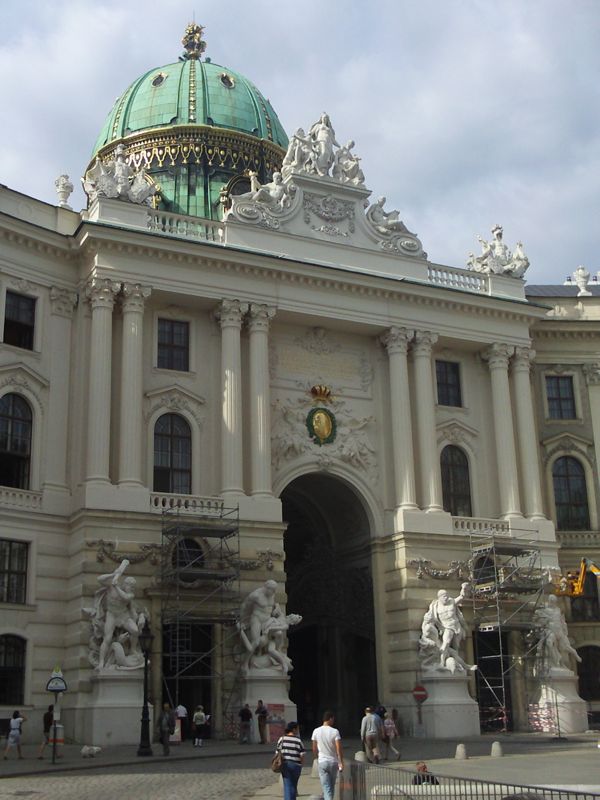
{"type": "Point", "coordinates": [200, 602]}
{"type": "Point", "coordinates": [508, 582]}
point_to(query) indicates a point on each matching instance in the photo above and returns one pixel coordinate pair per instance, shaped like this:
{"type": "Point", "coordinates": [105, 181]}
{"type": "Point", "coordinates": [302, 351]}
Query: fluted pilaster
{"type": "Point", "coordinates": [427, 457]}
{"type": "Point", "coordinates": [396, 341]}
{"type": "Point", "coordinates": [133, 299]}
{"type": "Point", "coordinates": [498, 356]}
{"type": "Point", "coordinates": [101, 293]}
{"type": "Point", "coordinates": [526, 433]}
{"type": "Point", "coordinates": [230, 314]}
{"type": "Point", "coordinates": [259, 319]}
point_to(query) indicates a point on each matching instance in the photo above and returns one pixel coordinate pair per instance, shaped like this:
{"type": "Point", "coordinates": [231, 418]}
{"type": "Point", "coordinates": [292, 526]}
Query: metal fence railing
{"type": "Point", "coordinates": [371, 782]}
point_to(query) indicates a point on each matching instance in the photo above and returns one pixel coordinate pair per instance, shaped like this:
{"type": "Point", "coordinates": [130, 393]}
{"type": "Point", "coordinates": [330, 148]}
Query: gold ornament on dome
{"type": "Point", "coordinates": [193, 42]}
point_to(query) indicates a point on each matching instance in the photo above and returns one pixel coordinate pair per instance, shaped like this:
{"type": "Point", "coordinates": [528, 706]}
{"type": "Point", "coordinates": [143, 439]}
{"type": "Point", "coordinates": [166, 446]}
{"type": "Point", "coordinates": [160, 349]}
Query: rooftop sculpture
{"type": "Point", "coordinates": [117, 179]}
{"type": "Point", "coordinates": [496, 258]}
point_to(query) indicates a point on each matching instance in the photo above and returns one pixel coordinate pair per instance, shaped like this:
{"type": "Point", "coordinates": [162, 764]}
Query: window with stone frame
{"type": "Point", "coordinates": [173, 345]}
{"type": "Point", "coordinates": [19, 320]}
{"type": "Point", "coordinates": [15, 441]}
{"type": "Point", "coordinates": [12, 670]}
{"type": "Point", "coordinates": [570, 495]}
{"type": "Point", "coordinates": [13, 571]}
{"type": "Point", "coordinates": [448, 383]}
{"type": "Point", "coordinates": [560, 396]}
{"type": "Point", "coordinates": [172, 455]}
{"type": "Point", "coordinates": [456, 483]}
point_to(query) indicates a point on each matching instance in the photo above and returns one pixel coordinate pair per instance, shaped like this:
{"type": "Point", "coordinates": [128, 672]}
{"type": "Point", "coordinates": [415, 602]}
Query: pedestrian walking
{"type": "Point", "coordinates": [198, 721]}
{"type": "Point", "coordinates": [391, 733]}
{"type": "Point", "coordinates": [166, 727]}
{"type": "Point", "coordinates": [292, 752]}
{"type": "Point", "coordinates": [261, 713]}
{"type": "Point", "coordinates": [47, 724]}
{"type": "Point", "coordinates": [327, 748]}
{"type": "Point", "coordinates": [245, 715]}
{"type": "Point", "coordinates": [423, 775]}
{"type": "Point", "coordinates": [182, 716]}
{"type": "Point", "coordinates": [371, 733]}
{"type": "Point", "coordinates": [14, 734]}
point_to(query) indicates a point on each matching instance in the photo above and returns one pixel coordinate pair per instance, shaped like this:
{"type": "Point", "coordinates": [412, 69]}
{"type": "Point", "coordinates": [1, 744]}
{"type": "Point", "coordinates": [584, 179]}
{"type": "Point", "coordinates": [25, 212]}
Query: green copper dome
{"type": "Point", "coordinates": [194, 126]}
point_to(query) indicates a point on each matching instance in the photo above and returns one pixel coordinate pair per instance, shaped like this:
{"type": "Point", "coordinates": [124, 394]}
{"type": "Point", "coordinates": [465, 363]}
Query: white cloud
{"type": "Point", "coordinates": [465, 113]}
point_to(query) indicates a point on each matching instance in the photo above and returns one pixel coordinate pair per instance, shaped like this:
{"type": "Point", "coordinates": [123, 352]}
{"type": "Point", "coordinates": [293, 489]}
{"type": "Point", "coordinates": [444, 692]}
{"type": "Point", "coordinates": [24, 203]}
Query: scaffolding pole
{"type": "Point", "coordinates": [200, 605]}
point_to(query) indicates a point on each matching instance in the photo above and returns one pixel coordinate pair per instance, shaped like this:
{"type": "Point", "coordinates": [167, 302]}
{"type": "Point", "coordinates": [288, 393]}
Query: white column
{"type": "Point", "coordinates": [62, 302]}
{"type": "Point", "coordinates": [259, 318]}
{"type": "Point", "coordinates": [497, 357]}
{"type": "Point", "coordinates": [396, 341]}
{"type": "Point", "coordinates": [526, 434]}
{"type": "Point", "coordinates": [101, 295]}
{"type": "Point", "coordinates": [130, 416]}
{"type": "Point", "coordinates": [230, 314]}
{"type": "Point", "coordinates": [427, 457]}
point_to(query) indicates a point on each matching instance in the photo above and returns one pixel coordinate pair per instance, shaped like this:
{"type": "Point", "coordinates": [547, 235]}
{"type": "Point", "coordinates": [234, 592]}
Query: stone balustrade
{"type": "Point", "coordinates": [195, 228]}
{"type": "Point", "coordinates": [498, 527]}
{"type": "Point", "coordinates": [185, 503]}
{"type": "Point", "coordinates": [464, 279]}
{"type": "Point", "coordinates": [20, 498]}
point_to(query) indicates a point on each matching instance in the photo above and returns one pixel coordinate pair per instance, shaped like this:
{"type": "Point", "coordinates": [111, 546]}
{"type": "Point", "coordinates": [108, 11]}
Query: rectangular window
{"type": "Point", "coordinates": [13, 571]}
{"type": "Point", "coordinates": [448, 383]}
{"type": "Point", "coordinates": [561, 397]}
{"type": "Point", "coordinates": [173, 345]}
{"type": "Point", "coordinates": [19, 320]}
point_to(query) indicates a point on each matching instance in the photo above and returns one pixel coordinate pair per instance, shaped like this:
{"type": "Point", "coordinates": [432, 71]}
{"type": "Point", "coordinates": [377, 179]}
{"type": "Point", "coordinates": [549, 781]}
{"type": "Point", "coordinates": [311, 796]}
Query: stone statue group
{"type": "Point", "coordinates": [444, 629]}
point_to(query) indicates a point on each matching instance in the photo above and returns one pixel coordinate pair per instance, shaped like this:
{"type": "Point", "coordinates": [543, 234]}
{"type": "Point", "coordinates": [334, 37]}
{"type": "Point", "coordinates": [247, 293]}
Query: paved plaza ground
{"type": "Point", "coordinates": [228, 771]}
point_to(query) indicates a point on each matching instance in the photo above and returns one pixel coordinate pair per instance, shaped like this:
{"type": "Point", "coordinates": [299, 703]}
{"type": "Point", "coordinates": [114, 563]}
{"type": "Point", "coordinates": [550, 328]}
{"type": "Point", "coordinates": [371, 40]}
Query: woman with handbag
{"type": "Point", "coordinates": [291, 750]}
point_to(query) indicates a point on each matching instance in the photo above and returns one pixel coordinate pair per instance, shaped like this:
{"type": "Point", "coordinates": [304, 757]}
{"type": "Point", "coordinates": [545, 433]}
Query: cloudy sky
{"type": "Point", "coordinates": [465, 112]}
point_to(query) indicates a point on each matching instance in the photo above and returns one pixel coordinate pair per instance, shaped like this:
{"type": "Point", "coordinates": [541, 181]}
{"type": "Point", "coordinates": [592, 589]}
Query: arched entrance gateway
{"type": "Point", "coordinates": [329, 582]}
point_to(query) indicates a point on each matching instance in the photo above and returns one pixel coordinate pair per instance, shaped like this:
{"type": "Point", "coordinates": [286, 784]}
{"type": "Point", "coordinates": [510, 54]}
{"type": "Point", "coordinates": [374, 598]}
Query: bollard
{"type": "Point", "coordinates": [497, 750]}
{"type": "Point", "coordinates": [461, 752]}
{"type": "Point", "coordinates": [361, 757]}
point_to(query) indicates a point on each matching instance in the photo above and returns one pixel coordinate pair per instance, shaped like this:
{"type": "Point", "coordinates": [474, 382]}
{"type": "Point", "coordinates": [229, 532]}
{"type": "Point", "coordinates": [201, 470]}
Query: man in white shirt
{"type": "Point", "coordinates": [327, 746]}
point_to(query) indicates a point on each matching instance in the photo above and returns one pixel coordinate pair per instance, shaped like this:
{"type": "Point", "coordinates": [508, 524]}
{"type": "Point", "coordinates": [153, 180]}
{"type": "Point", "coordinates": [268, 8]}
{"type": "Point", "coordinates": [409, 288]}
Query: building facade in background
{"type": "Point", "coordinates": [302, 365]}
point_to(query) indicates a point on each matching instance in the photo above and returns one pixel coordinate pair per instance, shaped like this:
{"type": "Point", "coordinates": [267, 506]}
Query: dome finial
{"type": "Point", "coordinates": [192, 41]}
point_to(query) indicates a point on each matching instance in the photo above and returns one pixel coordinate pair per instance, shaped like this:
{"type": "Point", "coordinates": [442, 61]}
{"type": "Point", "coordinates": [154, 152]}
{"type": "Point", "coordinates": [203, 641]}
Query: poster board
{"type": "Point", "coordinates": [275, 721]}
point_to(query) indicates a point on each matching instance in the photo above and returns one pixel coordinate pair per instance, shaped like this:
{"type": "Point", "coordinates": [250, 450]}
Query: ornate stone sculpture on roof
{"type": "Point", "coordinates": [116, 179]}
{"type": "Point", "coordinates": [321, 193]}
{"type": "Point", "coordinates": [553, 650]}
{"type": "Point", "coordinates": [496, 257]}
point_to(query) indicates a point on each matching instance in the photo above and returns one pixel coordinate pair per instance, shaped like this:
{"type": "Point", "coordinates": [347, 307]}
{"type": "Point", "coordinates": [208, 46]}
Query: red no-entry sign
{"type": "Point", "coordinates": [420, 693]}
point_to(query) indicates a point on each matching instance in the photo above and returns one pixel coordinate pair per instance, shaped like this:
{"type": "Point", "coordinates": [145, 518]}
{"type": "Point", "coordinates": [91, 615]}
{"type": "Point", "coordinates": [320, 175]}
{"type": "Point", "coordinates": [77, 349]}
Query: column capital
{"type": "Point", "coordinates": [101, 292]}
{"type": "Point", "coordinates": [62, 302]}
{"type": "Point", "coordinates": [396, 340]}
{"type": "Point", "coordinates": [230, 313]}
{"type": "Point", "coordinates": [423, 343]}
{"type": "Point", "coordinates": [134, 296]}
{"type": "Point", "coordinates": [260, 316]}
{"type": "Point", "coordinates": [523, 358]}
{"type": "Point", "coordinates": [497, 355]}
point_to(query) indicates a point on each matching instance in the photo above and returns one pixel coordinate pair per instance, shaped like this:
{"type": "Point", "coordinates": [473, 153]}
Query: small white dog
{"type": "Point", "coordinates": [89, 752]}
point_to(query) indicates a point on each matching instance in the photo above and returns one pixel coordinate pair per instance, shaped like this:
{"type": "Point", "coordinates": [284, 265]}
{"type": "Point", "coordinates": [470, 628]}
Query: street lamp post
{"type": "Point", "coordinates": [146, 639]}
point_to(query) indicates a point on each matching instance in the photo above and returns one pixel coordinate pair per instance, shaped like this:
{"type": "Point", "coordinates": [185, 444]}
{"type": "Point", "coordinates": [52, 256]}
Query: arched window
{"type": "Point", "coordinates": [12, 670]}
{"type": "Point", "coordinates": [570, 495]}
{"type": "Point", "coordinates": [456, 486]}
{"type": "Point", "coordinates": [188, 559]}
{"type": "Point", "coordinates": [589, 672]}
{"type": "Point", "coordinates": [15, 441]}
{"type": "Point", "coordinates": [172, 455]}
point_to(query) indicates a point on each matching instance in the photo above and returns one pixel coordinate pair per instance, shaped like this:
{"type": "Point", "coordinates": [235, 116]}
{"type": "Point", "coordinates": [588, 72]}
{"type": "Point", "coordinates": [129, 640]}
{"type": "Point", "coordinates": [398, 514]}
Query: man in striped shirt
{"type": "Point", "coordinates": [292, 752]}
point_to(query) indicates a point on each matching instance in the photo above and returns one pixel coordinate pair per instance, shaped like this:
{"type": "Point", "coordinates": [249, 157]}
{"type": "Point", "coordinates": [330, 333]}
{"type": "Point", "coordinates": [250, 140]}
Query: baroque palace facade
{"type": "Point", "coordinates": [251, 340]}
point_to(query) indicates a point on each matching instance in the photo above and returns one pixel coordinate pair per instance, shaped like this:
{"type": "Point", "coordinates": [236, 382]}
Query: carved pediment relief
{"type": "Point", "coordinates": [173, 399]}
{"type": "Point", "coordinates": [457, 433]}
{"type": "Point", "coordinates": [21, 376]}
{"type": "Point", "coordinates": [568, 444]}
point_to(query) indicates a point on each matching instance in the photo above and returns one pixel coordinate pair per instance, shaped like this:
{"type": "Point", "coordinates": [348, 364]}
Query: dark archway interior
{"type": "Point", "coordinates": [328, 569]}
